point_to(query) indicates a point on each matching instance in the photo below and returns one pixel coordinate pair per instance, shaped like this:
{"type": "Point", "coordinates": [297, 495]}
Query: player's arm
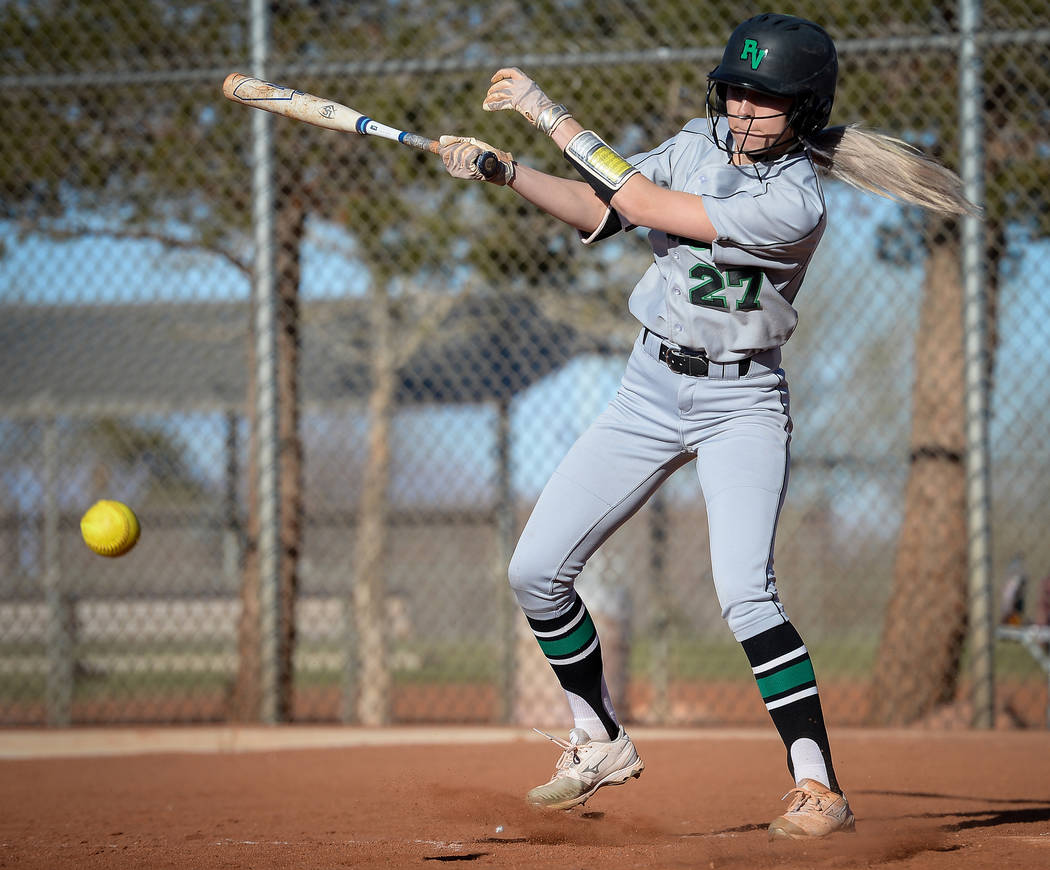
{"type": "Point", "coordinates": [644, 204]}
{"type": "Point", "coordinates": [569, 200]}
{"type": "Point", "coordinates": [636, 199]}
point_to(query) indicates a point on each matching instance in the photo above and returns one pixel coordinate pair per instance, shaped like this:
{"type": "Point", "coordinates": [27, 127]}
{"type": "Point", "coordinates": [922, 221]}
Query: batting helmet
{"type": "Point", "coordinates": [783, 56]}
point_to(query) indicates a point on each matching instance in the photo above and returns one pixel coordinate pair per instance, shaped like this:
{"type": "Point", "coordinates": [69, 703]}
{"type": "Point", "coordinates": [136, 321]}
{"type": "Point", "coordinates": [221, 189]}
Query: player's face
{"type": "Point", "coordinates": [757, 120]}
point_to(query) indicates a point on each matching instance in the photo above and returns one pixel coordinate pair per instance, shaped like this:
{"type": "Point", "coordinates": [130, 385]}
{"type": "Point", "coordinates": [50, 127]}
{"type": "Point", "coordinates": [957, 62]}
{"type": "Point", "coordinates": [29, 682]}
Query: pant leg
{"type": "Point", "coordinates": [742, 464]}
{"type": "Point", "coordinates": [607, 475]}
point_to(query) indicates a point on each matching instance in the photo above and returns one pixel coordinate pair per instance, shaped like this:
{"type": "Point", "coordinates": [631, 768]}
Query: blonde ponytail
{"type": "Point", "coordinates": [888, 167]}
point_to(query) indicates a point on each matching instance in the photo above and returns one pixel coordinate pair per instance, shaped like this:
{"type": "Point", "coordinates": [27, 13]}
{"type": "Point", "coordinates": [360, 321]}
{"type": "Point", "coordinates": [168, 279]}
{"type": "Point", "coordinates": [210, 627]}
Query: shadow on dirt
{"type": "Point", "coordinates": [977, 818]}
{"type": "Point", "coordinates": [994, 818]}
{"type": "Point", "coordinates": [951, 797]}
{"type": "Point", "coordinates": [737, 829]}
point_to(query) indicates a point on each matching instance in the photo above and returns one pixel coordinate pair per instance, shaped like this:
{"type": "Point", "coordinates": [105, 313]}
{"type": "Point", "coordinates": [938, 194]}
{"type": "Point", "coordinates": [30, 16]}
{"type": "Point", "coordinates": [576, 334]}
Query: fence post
{"type": "Point", "coordinates": [232, 531]}
{"type": "Point", "coordinates": [59, 606]}
{"type": "Point", "coordinates": [509, 614]}
{"type": "Point", "coordinates": [266, 378]}
{"type": "Point", "coordinates": [660, 644]}
{"type": "Point", "coordinates": [982, 637]}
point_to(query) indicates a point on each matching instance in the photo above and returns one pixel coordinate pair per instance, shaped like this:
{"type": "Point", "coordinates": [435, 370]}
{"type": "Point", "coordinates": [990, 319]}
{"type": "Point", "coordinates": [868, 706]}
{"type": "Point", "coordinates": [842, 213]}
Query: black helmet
{"type": "Point", "coordinates": [783, 56]}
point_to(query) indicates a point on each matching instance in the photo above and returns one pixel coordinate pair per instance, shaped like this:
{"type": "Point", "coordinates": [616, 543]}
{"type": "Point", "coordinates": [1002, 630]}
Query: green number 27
{"type": "Point", "coordinates": [709, 291]}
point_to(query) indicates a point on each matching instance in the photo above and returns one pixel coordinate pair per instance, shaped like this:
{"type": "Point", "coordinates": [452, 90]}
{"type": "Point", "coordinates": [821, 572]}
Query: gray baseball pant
{"type": "Point", "coordinates": [738, 430]}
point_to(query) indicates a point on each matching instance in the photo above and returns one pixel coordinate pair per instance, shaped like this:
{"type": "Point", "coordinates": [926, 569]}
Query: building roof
{"type": "Point", "coordinates": [194, 356]}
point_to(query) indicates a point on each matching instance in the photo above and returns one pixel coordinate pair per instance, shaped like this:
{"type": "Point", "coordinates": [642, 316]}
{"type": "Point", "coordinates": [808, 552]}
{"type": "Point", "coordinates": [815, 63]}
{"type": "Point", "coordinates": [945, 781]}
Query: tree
{"type": "Point", "coordinates": [925, 627]}
{"type": "Point", "coordinates": [918, 666]}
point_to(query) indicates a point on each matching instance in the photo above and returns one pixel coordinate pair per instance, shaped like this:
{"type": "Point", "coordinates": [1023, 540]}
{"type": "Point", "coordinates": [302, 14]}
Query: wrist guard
{"type": "Point", "coordinates": [601, 167]}
{"type": "Point", "coordinates": [551, 117]}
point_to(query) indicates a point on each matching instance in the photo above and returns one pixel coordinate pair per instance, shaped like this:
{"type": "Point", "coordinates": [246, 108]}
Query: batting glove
{"type": "Point", "coordinates": [512, 89]}
{"type": "Point", "coordinates": [461, 155]}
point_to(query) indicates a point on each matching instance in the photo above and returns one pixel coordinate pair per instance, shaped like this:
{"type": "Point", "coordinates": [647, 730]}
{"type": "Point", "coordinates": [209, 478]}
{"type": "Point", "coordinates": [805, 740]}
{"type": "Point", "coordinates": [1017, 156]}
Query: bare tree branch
{"type": "Point", "coordinates": [62, 234]}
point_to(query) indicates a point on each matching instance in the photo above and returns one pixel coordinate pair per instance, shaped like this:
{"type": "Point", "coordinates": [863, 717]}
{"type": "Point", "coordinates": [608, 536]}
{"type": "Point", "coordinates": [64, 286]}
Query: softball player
{"type": "Point", "coordinates": [735, 211]}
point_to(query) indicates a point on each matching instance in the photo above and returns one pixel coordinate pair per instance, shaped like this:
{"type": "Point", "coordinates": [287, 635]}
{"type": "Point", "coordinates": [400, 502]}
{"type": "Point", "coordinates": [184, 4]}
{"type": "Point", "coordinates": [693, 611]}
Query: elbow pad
{"type": "Point", "coordinates": [609, 226]}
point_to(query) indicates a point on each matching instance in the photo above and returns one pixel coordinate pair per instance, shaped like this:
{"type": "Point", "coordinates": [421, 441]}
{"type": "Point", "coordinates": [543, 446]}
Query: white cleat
{"type": "Point", "coordinates": [584, 767]}
{"type": "Point", "coordinates": [814, 811]}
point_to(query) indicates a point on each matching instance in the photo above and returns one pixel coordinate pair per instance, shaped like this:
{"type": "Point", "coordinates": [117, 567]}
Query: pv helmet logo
{"type": "Point", "coordinates": [751, 51]}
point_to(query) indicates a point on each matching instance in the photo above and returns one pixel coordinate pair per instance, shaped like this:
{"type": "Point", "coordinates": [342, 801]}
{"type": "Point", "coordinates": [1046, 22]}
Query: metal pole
{"type": "Point", "coordinates": [232, 541]}
{"type": "Point", "coordinates": [505, 523]}
{"type": "Point", "coordinates": [975, 309]}
{"type": "Point", "coordinates": [59, 609]}
{"type": "Point", "coordinates": [702, 56]}
{"type": "Point", "coordinates": [660, 658]}
{"type": "Point", "coordinates": [266, 377]}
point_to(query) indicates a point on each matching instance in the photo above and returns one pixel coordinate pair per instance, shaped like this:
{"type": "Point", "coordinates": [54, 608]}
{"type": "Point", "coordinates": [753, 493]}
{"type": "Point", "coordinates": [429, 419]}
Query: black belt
{"type": "Point", "coordinates": [690, 362]}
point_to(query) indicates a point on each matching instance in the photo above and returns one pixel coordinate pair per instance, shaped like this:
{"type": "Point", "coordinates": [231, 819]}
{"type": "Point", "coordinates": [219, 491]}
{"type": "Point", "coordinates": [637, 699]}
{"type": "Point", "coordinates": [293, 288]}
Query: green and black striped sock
{"type": "Point", "coordinates": [784, 672]}
{"type": "Point", "coordinates": [570, 643]}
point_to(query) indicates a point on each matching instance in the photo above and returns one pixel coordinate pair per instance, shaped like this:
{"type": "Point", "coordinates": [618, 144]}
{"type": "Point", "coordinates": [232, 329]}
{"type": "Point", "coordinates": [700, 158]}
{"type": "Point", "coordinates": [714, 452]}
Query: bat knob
{"type": "Point", "coordinates": [488, 165]}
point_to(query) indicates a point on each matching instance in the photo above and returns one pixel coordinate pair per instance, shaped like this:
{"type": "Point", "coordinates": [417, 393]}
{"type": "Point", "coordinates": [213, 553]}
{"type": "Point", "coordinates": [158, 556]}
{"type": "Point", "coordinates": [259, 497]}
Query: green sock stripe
{"type": "Point", "coordinates": [582, 635]}
{"type": "Point", "coordinates": [787, 679]}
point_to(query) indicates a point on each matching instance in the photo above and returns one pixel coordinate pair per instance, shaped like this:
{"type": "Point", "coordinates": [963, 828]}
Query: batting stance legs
{"type": "Point", "coordinates": [738, 430]}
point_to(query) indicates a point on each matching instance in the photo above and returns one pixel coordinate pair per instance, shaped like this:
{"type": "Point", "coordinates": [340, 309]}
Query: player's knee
{"type": "Point", "coordinates": [746, 617]}
{"type": "Point", "coordinates": [531, 582]}
{"type": "Point", "coordinates": [524, 573]}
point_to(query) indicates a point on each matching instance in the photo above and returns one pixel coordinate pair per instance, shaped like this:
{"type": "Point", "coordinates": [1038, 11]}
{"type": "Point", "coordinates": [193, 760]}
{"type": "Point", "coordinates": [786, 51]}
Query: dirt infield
{"type": "Point", "coordinates": [922, 799]}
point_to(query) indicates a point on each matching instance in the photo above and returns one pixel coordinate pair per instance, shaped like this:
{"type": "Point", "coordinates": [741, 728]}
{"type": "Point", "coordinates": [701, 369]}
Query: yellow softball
{"type": "Point", "coordinates": [110, 528]}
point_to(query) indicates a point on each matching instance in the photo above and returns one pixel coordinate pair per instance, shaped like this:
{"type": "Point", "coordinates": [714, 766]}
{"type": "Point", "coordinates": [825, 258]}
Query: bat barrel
{"type": "Point", "coordinates": [229, 85]}
{"type": "Point", "coordinates": [315, 110]}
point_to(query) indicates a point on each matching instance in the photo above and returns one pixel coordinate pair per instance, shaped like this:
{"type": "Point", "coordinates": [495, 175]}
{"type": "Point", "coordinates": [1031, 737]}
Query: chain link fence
{"type": "Point", "coordinates": [439, 346]}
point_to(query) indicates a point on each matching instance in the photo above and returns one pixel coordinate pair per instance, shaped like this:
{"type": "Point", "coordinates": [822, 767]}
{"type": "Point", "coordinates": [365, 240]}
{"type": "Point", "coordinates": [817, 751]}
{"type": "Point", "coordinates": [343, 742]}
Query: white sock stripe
{"type": "Point", "coordinates": [586, 717]}
{"type": "Point", "coordinates": [768, 666]}
{"type": "Point", "coordinates": [593, 645]}
{"type": "Point", "coordinates": [565, 628]}
{"type": "Point", "coordinates": [790, 699]}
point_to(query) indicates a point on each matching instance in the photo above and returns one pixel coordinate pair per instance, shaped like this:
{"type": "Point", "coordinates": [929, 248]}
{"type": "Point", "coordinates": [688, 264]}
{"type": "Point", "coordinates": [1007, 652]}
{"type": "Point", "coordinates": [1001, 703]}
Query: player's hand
{"type": "Point", "coordinates": [461, 155]}
{"type": "Point", "coordinates": [510, 88]}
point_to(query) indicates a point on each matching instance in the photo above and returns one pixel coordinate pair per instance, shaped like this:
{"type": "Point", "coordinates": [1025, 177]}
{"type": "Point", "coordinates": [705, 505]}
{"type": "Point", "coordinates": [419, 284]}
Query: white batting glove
{"type": "Point", "coordinates": [461, 155]}
{"type": "Point", "coordinates": [512, 89]}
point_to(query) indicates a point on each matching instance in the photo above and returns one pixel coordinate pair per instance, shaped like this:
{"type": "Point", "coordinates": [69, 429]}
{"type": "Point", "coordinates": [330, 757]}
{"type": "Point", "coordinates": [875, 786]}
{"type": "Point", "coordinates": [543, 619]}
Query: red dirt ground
{"type": "Point", "coordinates": [922, 800]}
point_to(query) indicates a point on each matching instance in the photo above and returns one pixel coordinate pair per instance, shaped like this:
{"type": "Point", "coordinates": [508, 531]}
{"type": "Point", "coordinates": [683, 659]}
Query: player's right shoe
{"type": "Point", "coordinates": [584, 767]}
{"type": "Point", "coordinates": [814, 811]}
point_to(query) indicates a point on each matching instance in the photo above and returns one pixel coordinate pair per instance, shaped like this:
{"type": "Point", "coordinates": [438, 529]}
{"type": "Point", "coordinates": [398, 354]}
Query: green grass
{"type": "Point", "coordinates": [447, 663]}
{"type": "Point", "coordinates": [697, 659]}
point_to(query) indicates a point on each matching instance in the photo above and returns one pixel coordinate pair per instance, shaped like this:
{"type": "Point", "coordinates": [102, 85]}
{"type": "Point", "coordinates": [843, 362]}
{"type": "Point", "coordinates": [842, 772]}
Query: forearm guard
{"type": "Point", "coordinates": [601, 167]}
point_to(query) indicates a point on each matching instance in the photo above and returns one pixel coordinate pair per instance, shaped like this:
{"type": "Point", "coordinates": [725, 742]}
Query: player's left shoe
{"type": "Point", "coordinates": [814, 811]}
{"type": "Point", "coordinates": [584, 767]}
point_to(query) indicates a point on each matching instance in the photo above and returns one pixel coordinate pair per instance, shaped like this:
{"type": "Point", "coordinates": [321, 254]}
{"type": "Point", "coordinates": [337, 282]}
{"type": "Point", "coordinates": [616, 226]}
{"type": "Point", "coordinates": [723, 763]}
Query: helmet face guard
{"type": "Point", "coordinates": [717, 109]}
{"type": "Point", "coordinates": [782, 56]}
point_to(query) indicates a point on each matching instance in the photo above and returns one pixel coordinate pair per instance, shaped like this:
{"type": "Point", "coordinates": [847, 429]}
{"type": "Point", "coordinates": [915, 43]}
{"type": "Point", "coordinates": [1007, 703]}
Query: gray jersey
{"type": "Point", "coordinates": [732, 298]}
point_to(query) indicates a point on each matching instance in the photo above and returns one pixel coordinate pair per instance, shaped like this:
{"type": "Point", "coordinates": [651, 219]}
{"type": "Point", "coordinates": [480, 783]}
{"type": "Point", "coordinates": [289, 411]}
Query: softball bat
{"type": "Point", "coordinates": [321, 112]}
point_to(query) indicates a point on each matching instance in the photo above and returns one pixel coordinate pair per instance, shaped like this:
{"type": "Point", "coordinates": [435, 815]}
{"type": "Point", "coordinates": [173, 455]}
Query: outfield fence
{"type": "Point", "coordinates": [332, 381]}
